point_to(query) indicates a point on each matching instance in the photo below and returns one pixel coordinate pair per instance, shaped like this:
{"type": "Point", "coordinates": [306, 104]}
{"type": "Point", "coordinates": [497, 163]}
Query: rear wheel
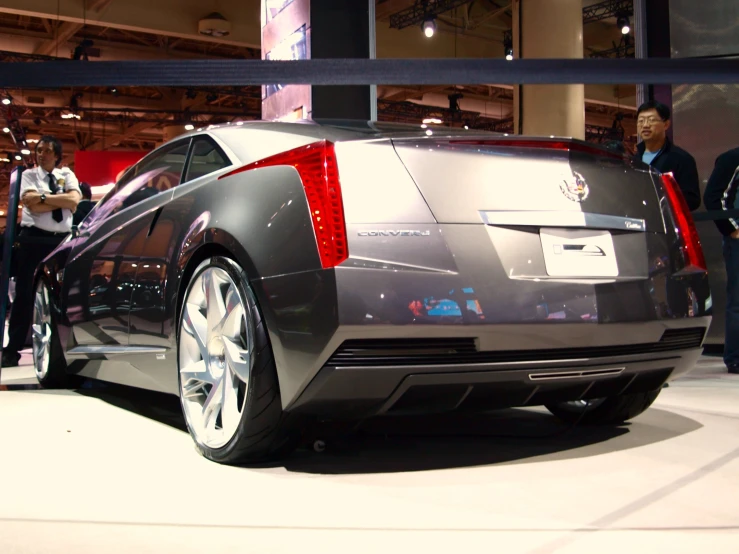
{"type": "Point", "coordinates": [228, 380]}
{"type": "Point", "coordinates": [604, 411]}
{"type": "Point", "coordinates": [48, 359]}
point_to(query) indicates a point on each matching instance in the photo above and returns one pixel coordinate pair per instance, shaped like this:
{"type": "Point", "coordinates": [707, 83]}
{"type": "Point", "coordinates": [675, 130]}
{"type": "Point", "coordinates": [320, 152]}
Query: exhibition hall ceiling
{"type": "Point", "coordinates": [138, 118]}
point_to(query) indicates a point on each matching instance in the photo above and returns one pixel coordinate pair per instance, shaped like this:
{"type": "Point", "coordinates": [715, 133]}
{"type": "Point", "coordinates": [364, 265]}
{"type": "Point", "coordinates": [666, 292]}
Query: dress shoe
{"type": "Point", "coordinates": [10, 360]}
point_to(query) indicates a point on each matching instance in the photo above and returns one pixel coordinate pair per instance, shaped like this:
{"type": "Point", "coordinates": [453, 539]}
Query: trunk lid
{"type": "Point", "coordinates": [530, 182]}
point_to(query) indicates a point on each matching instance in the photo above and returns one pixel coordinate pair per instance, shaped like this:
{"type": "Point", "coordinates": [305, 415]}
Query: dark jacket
{"type": "Point", "coordinates": [721, 189]}
{"type": "Point", "coordinates": [682, 165]}
{"type": "Point", "coordinates": [84, 207]}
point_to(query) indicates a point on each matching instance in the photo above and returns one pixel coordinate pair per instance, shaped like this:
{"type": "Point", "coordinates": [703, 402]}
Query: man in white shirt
{"type": "Point", "coordinates": [49, 195]}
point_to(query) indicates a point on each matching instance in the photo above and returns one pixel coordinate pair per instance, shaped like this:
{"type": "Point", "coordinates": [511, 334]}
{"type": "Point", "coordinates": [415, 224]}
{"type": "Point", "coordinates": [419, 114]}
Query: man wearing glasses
{"type": "Point", "coordinates": [49, 195]}
{"type": "Point", "coordinates": [656, 150]}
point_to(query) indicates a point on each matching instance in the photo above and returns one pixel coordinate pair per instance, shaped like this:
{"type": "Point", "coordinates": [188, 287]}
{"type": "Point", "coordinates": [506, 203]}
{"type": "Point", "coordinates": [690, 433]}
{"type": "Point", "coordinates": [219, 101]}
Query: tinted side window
{"type": "Point", "coordinates": [206, 158]}
{"type": "Point", "coordinates": [154, 174]}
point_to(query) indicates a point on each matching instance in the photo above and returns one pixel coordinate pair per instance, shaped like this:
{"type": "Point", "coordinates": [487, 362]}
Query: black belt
{"type": "Point", "coordinates": [34, 234]}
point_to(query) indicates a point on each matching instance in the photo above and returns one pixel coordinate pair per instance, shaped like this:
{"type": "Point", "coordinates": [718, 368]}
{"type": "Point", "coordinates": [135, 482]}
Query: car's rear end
{"type": "Point", "coordinates": [477, 272]}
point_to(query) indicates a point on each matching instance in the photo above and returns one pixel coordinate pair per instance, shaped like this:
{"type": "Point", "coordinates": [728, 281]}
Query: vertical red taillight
{"type": "Point", "coordinates": [316, 165]}
{"type": "Point", "coordinates": [691, 244]}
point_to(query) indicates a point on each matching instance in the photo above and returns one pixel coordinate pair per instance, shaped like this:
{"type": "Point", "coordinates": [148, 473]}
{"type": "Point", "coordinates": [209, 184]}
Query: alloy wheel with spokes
{"type": "Point", "coordinates": [41, 332]}
{"type": "Point", "coordinates": [215, 346]}
{"type": "Point", "coordinates": [48, 358]}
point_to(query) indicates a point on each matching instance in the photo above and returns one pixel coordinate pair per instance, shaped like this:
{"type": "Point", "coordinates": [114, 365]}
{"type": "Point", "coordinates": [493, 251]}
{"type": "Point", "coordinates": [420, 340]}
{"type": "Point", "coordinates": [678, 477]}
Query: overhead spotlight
{"type": "Point", "coordinates": [19, 157]}
{"type": "Point", "coordinates": [623, 24]}
{"type": "Point", "coordinates": [508, 46]}
{"type": "Point", "coordinates": [214, 25]}
{"type": "Point", "coordinates": [7, 100]}
{"type": "Point", "coordinates": [74, 102]}
{"type": "Point", "coordinates": [26, 152]}
{"type": "Point", "coordinates": [429, 27]}
{"type": "Point", "coordinates": [6, 129]}
{"type": "Point", "coordinates": [189, 127]}
{"type": "Point", "coordinates": [432, 120]}
{"type": "Point", "coordinates": [85, 49]}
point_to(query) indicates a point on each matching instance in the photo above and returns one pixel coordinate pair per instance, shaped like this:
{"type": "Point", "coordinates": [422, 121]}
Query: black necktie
{"type": "Point", "coordinates": [56, 214]}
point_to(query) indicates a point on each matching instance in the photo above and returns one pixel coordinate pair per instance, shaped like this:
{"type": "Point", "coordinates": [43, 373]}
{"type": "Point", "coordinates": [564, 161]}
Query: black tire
{"type": "Point", "coordinates": [612, 410]}
{"type": "Point", "coordinates": [56, 376]}
{"type": "Point", "coordinates": [263, 431]}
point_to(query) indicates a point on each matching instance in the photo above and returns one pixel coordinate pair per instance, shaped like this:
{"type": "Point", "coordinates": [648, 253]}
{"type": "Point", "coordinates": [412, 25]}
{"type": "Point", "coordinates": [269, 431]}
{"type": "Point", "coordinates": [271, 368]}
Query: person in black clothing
{"type": "Point", "coordinates": [49, 195]}
{"type": "Point", "coordinates": [720, 195]}
{"type": "Point", "coordinates": [656, 150]}
{"type": "Point", "coordinates": [85, 205]}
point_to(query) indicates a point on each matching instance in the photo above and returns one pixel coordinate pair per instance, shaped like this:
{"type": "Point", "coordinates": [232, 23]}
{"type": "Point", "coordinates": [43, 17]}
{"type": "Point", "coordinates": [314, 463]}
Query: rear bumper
{"type": "Point", "coordinates": [362, 387]}
{"type": "Point", "coordinates": [311, 315]}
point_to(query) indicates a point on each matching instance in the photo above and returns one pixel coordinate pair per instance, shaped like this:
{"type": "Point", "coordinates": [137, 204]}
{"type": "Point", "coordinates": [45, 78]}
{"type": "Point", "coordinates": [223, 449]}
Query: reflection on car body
{"type": "Point", "coordinates": [274, 273]}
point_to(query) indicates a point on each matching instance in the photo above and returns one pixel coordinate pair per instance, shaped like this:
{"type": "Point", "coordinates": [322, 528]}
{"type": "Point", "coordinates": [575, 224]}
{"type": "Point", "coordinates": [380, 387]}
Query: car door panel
{"type": "Point", "coordinates": [99, 280]}
{"type": "Point", "coordinates": [152, 320]}
{"type": "Point", "coordinates": [101, 272]}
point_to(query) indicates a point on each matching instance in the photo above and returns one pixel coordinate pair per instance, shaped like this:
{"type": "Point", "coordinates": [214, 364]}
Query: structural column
{"type": "Point", "coordinates": [547, 29]}
{"type": "Point", "coordinates": [659, 46]}
{"type": "Point", "coordinates": [317, 29]}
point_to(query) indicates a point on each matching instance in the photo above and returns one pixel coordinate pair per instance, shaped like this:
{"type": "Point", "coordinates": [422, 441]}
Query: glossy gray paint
{"type": "Point", "coordinates": [419, 266]}
{"type": "Point", "coordinates": [378, 188]}
{"type": "Point", "coordinates": [460, 180]}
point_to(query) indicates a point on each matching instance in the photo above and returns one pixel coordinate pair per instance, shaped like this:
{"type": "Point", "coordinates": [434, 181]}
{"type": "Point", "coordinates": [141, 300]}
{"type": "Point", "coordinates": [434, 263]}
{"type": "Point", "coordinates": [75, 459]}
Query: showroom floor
{"type": "Point", "coordinates": [111, 469]}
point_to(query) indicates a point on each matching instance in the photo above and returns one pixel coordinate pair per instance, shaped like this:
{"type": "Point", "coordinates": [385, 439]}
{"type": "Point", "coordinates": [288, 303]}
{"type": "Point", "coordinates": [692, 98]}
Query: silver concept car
{"type": "Point", "coordinates": [274, 273]}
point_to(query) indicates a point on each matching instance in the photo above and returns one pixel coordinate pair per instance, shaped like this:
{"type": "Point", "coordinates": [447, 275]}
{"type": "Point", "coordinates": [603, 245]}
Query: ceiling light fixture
{"type": "Point", "coordinates": [623, 24]}
{"type": "Point", "coordinates": [508, 45]}
{"type": "Point", "coordinates": [429, 27]}
{"type": "Point", "coordinates": [214, 25]}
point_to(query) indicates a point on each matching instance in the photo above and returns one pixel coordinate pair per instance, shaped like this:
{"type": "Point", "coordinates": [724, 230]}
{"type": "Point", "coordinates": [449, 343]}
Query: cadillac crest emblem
{"type": "Point", "coordinates": [575, 188]}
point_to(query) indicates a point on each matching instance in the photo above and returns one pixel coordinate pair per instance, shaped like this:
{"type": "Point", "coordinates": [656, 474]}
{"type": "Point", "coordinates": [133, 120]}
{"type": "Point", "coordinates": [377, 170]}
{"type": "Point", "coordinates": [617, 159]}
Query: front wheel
{"type": "Point", "coordinates": [48, 359]}
{"type": "Point", "coordinates": [604, 411]}
{"type": "Point", "coordinates": [229, 390]}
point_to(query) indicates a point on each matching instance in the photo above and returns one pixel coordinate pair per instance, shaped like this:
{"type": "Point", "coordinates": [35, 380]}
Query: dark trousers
{"type": "Point", "coordinates": [731, 340]}
{"type": "Point", "coordinates": [35, 245]}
